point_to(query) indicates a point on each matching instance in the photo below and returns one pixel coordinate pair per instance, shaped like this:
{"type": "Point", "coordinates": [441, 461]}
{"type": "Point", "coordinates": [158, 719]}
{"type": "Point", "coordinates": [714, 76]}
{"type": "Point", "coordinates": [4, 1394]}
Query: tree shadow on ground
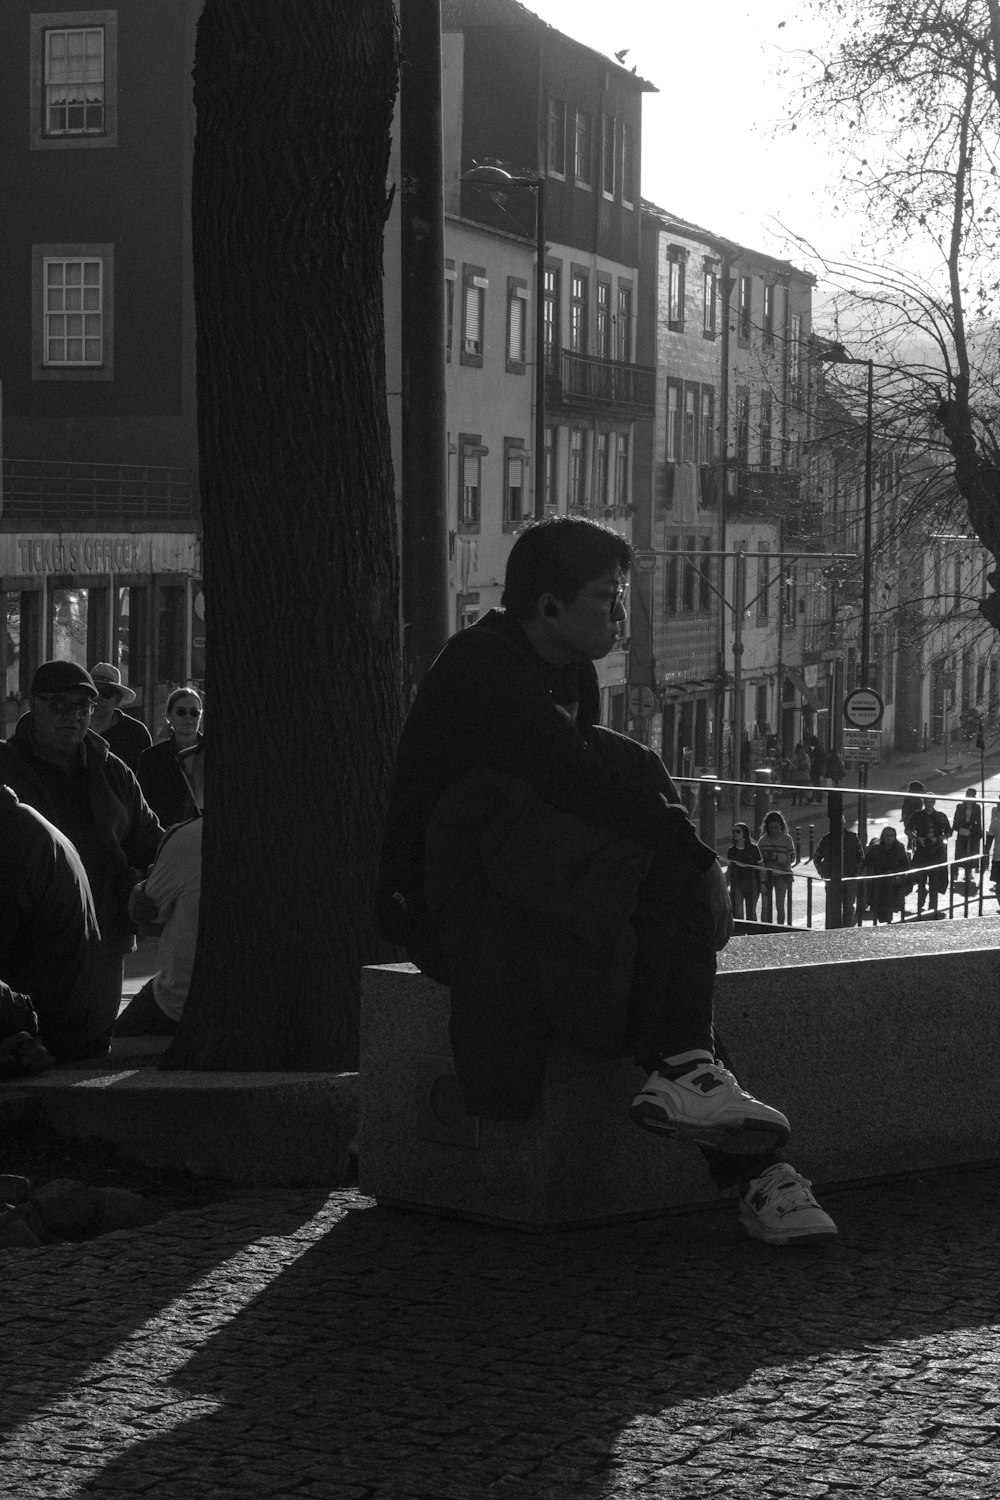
{"type": "Point", "coordinates": [69, 1306]}
{"type": "Point", "coordinates": [409, 1356]}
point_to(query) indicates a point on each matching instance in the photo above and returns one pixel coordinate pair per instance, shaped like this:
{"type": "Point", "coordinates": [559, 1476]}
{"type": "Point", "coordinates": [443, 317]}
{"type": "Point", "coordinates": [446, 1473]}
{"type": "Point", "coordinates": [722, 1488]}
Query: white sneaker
{"type": "Point", "coordinates": [779, 1208]}
{"type": "Point", "coordinates": [706, 1105]}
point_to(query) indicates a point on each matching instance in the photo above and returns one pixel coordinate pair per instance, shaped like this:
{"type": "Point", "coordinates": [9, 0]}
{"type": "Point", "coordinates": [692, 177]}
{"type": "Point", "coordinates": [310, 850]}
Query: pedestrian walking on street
{"type": "Point", "coordinates": [127, 737]}
{"type": "Point", "coordinates": [834, 769]}
{"type": "Point", "coordinates": [745, 863]}
{"type": "Point", "coordinates": [777, 850]}
{"type": "Point", "coordinates": [171, 773]}
{"type": "Point", "coordinates": [931, 830]}
{"type": "Point", "coordinates": [852, 858]}
{"type": "Point", "coordinates": [543, 868]}
{"type": "Point", "coordinates": [967, 826]}
{"type": "Point", "coordinates": [992, 845]}
{"type": "Point", "coordinates": [912, 803]}
{"type": "Point", "coordinates": [817, 765]}
{"type": "Point", "coordinates": [888, 861]}
{"type": "Point", "coordinates": [801, 774]}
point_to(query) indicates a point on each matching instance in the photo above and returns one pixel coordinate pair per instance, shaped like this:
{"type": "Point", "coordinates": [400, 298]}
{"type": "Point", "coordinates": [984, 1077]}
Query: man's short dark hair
{"type": "Point", "coordinates": [560, 556]}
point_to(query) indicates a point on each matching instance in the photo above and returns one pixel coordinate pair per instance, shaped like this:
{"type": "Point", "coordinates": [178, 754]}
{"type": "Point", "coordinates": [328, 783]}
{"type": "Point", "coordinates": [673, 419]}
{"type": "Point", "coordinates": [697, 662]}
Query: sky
{"type": "Point", "coordinates": [709, 150]}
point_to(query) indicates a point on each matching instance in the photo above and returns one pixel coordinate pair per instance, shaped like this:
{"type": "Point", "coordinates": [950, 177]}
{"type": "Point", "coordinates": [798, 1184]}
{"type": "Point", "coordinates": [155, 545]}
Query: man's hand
{"type": "Point", "coordinates": [722, 907]}
{"type": "Point", "coordinates": [143, 912]}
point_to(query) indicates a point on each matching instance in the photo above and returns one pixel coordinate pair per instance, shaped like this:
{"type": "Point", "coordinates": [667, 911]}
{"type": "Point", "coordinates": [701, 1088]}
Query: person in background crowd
{"type": "Point", "coordinates": [967, 826]}
{"type": "Point", "coordinates": [993, 843]}
{"type": "Point", "coordinates": [817, 764]}
{"type": "Point", "coordinates": [930, 830]}
{"type": "Point", "coordinates": [834, 769]}
{"type": "Point", "coordinates": [800, 773]}
{"type": "Point", "coordinates": [171, 892]}
{"type": "Point", "coordinates": [912, 803]}
{"type": "Point", "coordinates": [777, 851]}
{"type": "Point", "coordinates": [49, 937]}
{"type": "Point", "coordinates": [887, 857]}
{"type": "Point", "coordinates": [127, 737]}
{"type": "Point", "coordinates": [57, 765]}
{"type": "Point", "coordinates": [745, 861]}
{"type": "Point", "coordinates": [853, 858]}
{"type": "Point", "coordinates": [171, 773]}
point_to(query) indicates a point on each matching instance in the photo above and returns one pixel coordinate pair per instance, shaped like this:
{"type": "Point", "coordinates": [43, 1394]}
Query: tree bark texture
{"type": "Point", "coordinates": [294, 109]}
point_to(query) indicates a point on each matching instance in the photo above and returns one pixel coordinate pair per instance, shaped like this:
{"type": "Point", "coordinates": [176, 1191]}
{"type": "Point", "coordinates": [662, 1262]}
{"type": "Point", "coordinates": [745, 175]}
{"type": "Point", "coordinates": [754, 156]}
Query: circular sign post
{"type": "Point", "coordinates": [863, 708]}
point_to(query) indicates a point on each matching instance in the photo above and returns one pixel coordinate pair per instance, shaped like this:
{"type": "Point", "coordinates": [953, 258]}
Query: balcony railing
{"type": "Point", "coordinates": [39, 492]}
{"type": "Point", "coordinates": [585, 382]}
{"type": "Point", "coordinates": [769, 486]}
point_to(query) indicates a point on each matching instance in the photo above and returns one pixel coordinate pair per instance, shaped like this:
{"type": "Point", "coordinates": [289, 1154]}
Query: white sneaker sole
{"type": "Point", "coordinates": [746, 1137]}
{"type": "Point", "coordinates": [816, 1235]}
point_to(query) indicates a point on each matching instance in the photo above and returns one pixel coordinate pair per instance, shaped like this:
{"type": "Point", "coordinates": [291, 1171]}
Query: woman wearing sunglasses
{"type": "Point", "coordinates": [171, 773]}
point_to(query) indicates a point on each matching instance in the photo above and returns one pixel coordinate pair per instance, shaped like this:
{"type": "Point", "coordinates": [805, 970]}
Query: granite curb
{"type": "Point", "coordinates": [304, 1344]}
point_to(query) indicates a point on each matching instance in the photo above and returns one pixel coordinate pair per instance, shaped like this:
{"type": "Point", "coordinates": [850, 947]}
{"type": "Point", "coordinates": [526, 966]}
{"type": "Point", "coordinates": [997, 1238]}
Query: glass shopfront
{"type": "Point", "coordinates": [141, 619]}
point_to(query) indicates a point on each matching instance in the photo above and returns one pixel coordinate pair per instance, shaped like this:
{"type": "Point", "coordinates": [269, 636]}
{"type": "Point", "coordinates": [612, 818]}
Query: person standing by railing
{"type": "Point", "coordinates": [931, 830]}
{"type": "Point", "coordinates": [744, 873]}
{"type": "Point", "coordinates": [967, 826]}
{"type": "Point", "coordinates": [777, 850]}
{"type": "Point", "coordinates": [887, 858]}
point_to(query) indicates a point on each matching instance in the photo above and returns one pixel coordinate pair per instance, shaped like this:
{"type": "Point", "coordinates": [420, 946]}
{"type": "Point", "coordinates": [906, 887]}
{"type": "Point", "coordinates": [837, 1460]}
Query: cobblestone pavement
{"type": "Point", "coordinates": [294, 1344]}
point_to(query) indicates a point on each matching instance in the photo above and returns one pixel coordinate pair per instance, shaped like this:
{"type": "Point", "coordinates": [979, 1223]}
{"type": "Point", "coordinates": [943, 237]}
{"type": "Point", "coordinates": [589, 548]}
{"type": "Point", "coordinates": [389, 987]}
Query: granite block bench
{"type": "Point", "coordinates": [882, 1046]}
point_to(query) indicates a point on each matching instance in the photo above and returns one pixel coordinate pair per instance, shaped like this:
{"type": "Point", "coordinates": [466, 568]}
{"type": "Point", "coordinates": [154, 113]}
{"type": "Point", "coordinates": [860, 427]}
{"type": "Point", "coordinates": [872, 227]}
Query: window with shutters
{"type": "Point", "coordinates": [578, 309]}
{"type": "Point", "coordinates": [474, 284]}
{"type": "Point", "coordinates": [576, 491]}
{"type": "Point", "coordinates": [449, 307]}
{"type": "Point", "coordinates": [517, 325]}
{"type": "Point", "coordinates": [623, 327]}
{"type": "Point", "coordinates": [517, 504]}
{"type": "Point", "coordinates": [603, 318]}
{"type": "Point", "coordinates": [675, 289]}
{"type": "Point", "coordinates": [608, 154]}
{"type": "Point", "coordinates": [557, 138]}
{"type": "Point", "coordinates": [470, 479]}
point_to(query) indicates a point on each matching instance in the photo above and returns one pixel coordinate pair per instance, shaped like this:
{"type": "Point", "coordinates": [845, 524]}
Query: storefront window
{"type": "Point", "coordinates": [68, 624]}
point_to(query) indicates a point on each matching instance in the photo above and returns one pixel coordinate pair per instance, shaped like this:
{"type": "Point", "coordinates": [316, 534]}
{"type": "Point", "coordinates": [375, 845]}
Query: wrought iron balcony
{"type": "Point", "coordinates": [40, 492]}
{"type": "Point", "coordinates": [585, 382]}
{"type": "Point", "coordinates": [756, 484]}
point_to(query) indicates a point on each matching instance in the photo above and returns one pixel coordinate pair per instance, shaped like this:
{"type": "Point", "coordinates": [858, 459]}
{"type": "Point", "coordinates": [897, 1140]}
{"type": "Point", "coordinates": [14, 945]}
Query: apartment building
{"type": "Point", "coordinates": [728, 523]}
{"type": "Point", "coordinates": [99, 545]}
{"type": "Point", "coordinates": [521, 97]}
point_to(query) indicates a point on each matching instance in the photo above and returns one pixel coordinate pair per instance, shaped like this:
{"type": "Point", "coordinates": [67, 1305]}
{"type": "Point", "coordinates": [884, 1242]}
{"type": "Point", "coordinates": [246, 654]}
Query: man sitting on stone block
{"type": "Point", "coordinates": [543, 868]}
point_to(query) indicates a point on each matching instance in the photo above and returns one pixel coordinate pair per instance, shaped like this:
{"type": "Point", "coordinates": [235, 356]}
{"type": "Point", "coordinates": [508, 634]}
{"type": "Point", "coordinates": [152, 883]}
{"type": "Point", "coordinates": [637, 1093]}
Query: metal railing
{"type": "Point", "coordinates": [957, 886]}
{"type": "Point", "coordinates": [587, 380]}
{"type": "Point", "coordinates": [42, 491]}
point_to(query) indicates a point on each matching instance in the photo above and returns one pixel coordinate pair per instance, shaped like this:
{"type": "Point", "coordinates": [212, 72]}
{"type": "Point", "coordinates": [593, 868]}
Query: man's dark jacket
{"type": "Point", "coordinates": [48, 929]}
{"type": "Point", "coordinates": [109, 822]}
{"type": "Point", "coordinates": [514, 846]}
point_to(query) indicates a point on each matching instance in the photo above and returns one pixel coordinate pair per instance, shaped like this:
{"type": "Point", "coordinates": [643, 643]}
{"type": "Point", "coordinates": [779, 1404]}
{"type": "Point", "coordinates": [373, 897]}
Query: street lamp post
{"type": "Point", "coordinates": [488, 176]}
{"type": "Point", "coordinates": [836, 354]}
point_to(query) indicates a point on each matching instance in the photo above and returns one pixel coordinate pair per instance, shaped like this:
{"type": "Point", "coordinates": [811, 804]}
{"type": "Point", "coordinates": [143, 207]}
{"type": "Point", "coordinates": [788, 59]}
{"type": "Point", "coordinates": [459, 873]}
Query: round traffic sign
{"type": "Point", "coordinates": [863, 708]}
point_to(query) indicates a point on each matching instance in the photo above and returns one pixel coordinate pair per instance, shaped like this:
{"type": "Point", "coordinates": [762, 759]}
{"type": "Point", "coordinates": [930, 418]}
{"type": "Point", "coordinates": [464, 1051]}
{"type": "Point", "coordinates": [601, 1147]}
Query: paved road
{"type": "Point", "coordinates": [292, 1344]}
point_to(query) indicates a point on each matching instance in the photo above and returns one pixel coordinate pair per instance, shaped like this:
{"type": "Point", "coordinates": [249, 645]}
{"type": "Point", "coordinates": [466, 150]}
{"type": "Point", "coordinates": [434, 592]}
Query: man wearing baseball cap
{"type": "Point", "coordinates": [127, 737]}
{"type": "Point", "coordinates": [54, 762]}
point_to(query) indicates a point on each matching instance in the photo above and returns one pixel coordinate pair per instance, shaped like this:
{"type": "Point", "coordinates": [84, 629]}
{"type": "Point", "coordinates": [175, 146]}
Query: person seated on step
{"type": "Point", "coordinates": [50, 943]}
{"type": "Point", "coordinates": [543, 868]}
{"type": "Point", "coordinates": [165, 905]}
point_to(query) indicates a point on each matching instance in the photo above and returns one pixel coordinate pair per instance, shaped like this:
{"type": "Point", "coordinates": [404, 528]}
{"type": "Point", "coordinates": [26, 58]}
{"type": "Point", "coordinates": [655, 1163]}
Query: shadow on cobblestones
{"type": "Point", "coordinates": [368, 1353]}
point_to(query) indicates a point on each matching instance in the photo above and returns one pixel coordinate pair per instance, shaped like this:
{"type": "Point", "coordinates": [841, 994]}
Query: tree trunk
{"type": "Point", "coordinates": [294, 108]}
